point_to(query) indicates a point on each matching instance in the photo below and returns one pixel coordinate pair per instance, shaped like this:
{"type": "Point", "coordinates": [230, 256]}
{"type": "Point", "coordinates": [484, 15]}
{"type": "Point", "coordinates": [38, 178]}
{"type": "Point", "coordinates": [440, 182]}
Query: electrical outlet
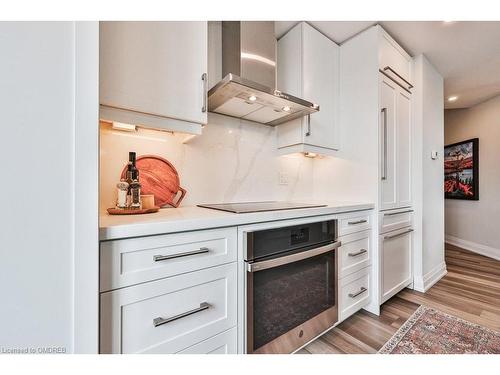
{"type": "Point", "coordinates": [284, 178]}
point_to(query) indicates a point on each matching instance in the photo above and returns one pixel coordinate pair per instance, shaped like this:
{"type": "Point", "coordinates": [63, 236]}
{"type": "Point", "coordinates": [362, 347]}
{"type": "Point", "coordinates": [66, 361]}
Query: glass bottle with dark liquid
{"type": "Point", "coordinates": [134, 190]}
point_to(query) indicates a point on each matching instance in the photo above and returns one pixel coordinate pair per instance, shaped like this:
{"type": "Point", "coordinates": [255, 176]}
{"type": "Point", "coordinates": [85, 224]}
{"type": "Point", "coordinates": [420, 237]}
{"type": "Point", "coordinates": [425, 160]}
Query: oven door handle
{"type": "Point", "coordinates": [266, 264]}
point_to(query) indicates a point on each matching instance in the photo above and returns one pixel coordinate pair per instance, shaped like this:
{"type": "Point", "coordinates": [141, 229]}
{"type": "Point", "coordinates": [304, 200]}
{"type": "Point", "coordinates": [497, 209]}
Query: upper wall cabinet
{"type": "Point", "coordinates": [308, 67]}
{"type": "Point", "coordinates": [393, 60]}
{"type": "Point", "coordinates": [154, 74]}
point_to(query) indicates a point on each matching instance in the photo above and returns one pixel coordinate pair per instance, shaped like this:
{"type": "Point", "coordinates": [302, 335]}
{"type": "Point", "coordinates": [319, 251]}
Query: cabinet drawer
{"type": "Point", "coordinates": [396, 250]}
{"type": "Point", "coordinates": [133, 261]}
{"type": "Point", "coordinates": [355, 252]}
{"type": "Point", "coordinates": [395, 219]}
{"type": "Point", "coordinates": [223, 343]}
{"type": "Point", "coordinates": [169, 315]}
{"type": "Point", "coordinates": [354, 222]}
{"type": "Point", "coordinates": [354, 292]}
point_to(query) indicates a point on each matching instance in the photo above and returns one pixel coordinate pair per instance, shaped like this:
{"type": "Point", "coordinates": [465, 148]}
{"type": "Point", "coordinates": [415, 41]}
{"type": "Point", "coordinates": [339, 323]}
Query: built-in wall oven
{"type": "Point", "coordinates": [291, 285]}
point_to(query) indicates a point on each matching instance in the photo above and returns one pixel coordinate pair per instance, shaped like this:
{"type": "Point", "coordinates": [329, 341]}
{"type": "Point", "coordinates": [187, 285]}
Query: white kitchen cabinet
{"type": "Point", "coordinates": [395, 156]}
{"type": "Point", "coordinates": [169, 293]}
{"type": "Point", "coordinates": [135, 260]}
{"type": "Point", "coordinates": [396, 257]}
{"type": "Point", "coordinates": [354, 259]}
{"type": "Point", "coordinates": [395, 145]}
{"type": "Point", "coordinates": [376, 73]}
{"type": "Point", "coordinates": [354, 293]}
{"type": "Point", "coordinates": [355, 253]}
{"type": "Point", "coordinates": [171, 314]}
{"type": "Point", "coordinates": [354, 222]}
{"type": "Point", "coordinates": [388, 98]}
{"type": "Point", "coordinates": [376, 111]}
{"type": "Point", "coordinates": [395, 123]}
{"type": "Point", "coordinates": [223, 343]}
{"type": "Point", "coordinates": [395, 219]}
{"type": "Point", "coordinates": [308, 67]}
{"type": "Point", "coordinates": [154, 74]}
{"type": "Point", "coordinates": [393, 60]}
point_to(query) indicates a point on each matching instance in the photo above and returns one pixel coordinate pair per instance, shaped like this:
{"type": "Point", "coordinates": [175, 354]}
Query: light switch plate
{"type": "Point", "coordinates": [434, 155]}
{"type": "Point", "coordinates": [284, 179]}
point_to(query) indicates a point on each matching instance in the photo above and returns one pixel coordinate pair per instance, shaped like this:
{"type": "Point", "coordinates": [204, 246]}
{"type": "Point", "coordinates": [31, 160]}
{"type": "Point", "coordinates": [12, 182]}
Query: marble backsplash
{"type": "Point", "coordinates": [236, 161]}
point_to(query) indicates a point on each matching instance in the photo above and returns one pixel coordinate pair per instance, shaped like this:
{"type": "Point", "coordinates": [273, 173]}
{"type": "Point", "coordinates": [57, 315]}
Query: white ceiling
{"type": "Point", "coordinates": [467, 54]}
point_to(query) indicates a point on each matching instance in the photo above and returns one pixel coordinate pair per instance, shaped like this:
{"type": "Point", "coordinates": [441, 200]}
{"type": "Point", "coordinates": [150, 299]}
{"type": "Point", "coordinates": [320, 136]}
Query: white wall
{"type": "Point", "coordinates": [428, 174]}
{"type": "Point", "coordinates": [37, 228]}
{"type": "Point", "coordinates": [474, 224]}
{"type": "Point", "coordinates": [237, 160]}
{"type": "Point", "coordinates": [232, 161]}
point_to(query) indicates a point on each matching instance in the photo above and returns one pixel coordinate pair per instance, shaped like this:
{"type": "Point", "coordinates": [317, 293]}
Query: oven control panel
{"type": "Point", "coordinates": [299, 235]}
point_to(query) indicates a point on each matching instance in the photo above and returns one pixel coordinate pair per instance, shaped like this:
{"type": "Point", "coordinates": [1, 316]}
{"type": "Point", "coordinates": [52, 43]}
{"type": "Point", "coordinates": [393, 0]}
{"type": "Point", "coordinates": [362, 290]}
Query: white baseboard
{"type": "Point", "coordinates": [425, 282]}
{"type": "Point", "coordinates": [474, 247]}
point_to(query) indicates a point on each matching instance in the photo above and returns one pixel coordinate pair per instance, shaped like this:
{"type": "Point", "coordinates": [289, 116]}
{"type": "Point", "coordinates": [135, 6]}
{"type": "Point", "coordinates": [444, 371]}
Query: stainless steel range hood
{"type": "Point", "coordinates": [247, 90]}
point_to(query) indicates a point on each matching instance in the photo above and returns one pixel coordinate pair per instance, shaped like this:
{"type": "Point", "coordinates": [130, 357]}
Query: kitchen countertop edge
{"type": "Point", "coordinates": [191, 218]}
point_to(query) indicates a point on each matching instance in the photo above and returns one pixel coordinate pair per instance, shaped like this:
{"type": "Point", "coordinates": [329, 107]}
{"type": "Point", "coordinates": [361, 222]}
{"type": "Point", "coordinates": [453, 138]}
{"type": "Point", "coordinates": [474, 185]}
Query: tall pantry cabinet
{"type": "Point", "coordinates": [395, 160]}
{"type": "Point", "coordinates": [372, 62]}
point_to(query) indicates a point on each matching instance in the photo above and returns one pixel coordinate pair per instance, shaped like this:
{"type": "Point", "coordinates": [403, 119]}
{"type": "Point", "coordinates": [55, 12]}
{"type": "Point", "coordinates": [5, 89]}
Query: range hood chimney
{"type": "Point", "coordinates": [248, 89]}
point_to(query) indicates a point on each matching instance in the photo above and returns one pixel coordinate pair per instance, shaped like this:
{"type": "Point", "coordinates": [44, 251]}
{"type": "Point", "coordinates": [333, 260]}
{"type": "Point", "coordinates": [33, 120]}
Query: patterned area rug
{"type": "Point", "coordinates": [429, 331]}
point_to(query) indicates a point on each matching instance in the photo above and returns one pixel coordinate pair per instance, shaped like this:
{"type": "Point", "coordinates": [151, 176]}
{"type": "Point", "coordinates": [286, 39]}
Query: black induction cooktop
{"type": "Point", "coordinates": [246, 207]}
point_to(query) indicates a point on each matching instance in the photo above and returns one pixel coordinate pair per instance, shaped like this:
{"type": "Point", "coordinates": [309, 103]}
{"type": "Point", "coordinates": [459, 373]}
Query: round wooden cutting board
{"type": "Point", "coordinates": [160, 178]}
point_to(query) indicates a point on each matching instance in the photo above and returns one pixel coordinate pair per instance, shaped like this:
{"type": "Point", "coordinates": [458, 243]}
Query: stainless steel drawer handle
{"type": "Point", "coordinates": [201, 250]}
{"type": "Point", "coordinates": [360, 252]}
{"type": "Point", "coordinates": [397, 235]}
{"type": "Point", "coordinates": [361, 291]}
{"type": "Point", "coordinates": [397, 213]}
{"type": "Point", "coordinates": [357, 222]}
{"type": "Point", "coordinates": [160, 321]}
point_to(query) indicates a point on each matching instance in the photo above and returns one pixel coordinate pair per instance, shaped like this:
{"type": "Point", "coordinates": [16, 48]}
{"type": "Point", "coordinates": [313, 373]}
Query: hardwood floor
{"type": "Point", "coordinates": [470, 290]}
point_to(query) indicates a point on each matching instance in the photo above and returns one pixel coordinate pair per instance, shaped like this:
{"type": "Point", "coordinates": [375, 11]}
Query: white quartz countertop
{"type": "Point", "coordinates": [171, 220]}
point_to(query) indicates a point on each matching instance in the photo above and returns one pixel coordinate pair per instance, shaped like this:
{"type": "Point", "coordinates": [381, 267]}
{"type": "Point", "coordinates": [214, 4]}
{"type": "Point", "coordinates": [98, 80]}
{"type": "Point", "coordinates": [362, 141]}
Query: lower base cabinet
{"type": "Point", "coordinates": [355, 293]}
{"type": "Point", "coordinates": [188, 303]}
{"type": "Point", "coordinates": [172, 314]}
{"type": "Point", "coordinates": [355, 259]}
{"type": "Point", "coordinates": [396, 253]}
{"type": "Point", "coordinates": [223, 343]}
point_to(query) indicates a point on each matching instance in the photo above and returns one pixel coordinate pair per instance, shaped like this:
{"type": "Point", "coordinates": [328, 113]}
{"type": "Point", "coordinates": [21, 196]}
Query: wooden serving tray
{"type": "Point", "coordinates": [128, 211]}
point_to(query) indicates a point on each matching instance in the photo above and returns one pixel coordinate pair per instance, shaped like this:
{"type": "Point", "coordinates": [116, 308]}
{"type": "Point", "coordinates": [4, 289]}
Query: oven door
{"type": "Point", "coordinates": [291, 299]}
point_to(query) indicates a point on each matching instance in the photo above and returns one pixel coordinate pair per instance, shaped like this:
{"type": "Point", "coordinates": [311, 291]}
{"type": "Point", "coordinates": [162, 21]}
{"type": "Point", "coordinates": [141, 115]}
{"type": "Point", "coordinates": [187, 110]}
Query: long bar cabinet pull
{"type": "Point", "coordinates": [160, 321]}
{"type": "Point", "coordinates": [361, 291]}
{"type": "Point", "coordinates": [201, 250]}
{"type": "Point", "coordinates": [397, 235]}
{"type": "Point", "coordinates": [360, 252]}
{"type": "Point", "coordinates": [384, 162]}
